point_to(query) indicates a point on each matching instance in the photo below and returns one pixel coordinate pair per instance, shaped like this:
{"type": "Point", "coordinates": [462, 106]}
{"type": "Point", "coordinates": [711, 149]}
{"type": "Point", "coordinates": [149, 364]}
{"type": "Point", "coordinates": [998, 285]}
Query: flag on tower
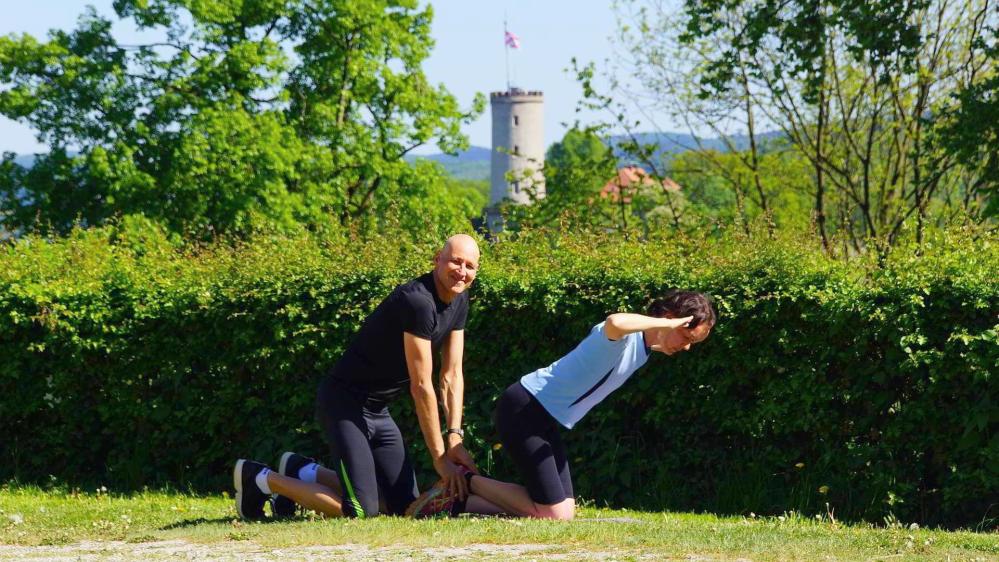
{"type": "Point", "coordinates": [511, 40]}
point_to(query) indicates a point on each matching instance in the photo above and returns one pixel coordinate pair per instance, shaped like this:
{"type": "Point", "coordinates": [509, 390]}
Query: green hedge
{"type": "Point", "coordinates": [868, 387]}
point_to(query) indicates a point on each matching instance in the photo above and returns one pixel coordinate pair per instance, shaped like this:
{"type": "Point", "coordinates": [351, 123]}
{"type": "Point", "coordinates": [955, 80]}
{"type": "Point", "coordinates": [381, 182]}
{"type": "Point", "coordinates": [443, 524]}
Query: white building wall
{"type": "Point", "coordinates": [518, 145]}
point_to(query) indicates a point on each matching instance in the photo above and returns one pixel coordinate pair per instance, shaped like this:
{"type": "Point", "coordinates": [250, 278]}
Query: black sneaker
{"type": "Point", "coordinates": [249, 499]}
{"type": "Point", "coordinates": [289, 466]}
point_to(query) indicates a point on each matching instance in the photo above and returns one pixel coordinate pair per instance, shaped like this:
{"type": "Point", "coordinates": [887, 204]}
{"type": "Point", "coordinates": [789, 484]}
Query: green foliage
{"type": "Point", "coordinates": [715, 188]}
{"type": "Point", "coordinates": [129, 360]}
{"type": "Point", "coordinates": [970, 127]}
{"type": "Point", "coordinates": [248, 116]}
{"type": "Point", "coordinates": [798, 29]}
{"type": "Point", "coordinates": [859, 91]}
{"type": "Point", "coordinates": [576, 169]}
{"type": "Point", "coordinates": [719, 187]}
{"type": "Point", "coordinates": [578, 149]}
{"type": "Point", "coordinates": [472, 193]}
{"type": "Point", "coordinates": [710, 194]}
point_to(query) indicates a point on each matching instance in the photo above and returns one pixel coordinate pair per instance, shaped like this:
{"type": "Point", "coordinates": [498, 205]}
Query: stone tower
{"type": "Point", "coordinates": [518, 147]}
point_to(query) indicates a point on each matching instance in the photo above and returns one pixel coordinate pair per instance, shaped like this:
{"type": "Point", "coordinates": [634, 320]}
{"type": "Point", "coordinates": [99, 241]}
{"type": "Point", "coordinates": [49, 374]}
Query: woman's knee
{"type": "Point", "coordinates": [562, 511]}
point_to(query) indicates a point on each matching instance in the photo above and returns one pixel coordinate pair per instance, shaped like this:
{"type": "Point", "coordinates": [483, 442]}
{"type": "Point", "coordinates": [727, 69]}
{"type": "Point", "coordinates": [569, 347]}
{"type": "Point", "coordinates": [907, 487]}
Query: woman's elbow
{"type": "Point", "coordinates": [611, 321]}
{"type": "Point", "coordinates": [612, 326]}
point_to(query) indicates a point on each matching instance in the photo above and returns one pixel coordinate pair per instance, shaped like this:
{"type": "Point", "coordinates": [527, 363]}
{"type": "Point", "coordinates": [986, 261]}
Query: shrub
{"type": "Point", "coordinates": [866, 386]}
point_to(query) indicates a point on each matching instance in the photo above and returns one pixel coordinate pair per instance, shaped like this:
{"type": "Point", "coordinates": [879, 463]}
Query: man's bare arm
{"type": "Point", "coordinates": [419, 361]}
{"type": "Point", "coordinates": [452, 396]}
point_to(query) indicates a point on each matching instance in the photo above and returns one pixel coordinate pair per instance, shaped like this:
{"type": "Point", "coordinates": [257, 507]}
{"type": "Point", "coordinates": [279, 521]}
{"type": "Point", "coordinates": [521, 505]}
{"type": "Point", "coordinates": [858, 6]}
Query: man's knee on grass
{"type": "Point", "coordinates": [360, 510]}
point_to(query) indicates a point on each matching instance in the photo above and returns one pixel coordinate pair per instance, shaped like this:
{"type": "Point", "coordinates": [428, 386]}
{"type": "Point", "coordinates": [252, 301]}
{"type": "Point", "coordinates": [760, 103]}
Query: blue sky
{"type": "Point", "coordinates": [468, 56]}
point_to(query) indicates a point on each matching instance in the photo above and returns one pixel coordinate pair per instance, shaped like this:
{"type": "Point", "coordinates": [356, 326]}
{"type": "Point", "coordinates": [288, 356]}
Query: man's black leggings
{"type": "Point", "coordinates": [367, 449]}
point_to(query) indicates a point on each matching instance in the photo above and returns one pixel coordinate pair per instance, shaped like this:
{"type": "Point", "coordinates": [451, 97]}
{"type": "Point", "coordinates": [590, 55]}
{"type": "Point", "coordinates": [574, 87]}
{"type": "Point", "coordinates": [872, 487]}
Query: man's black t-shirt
{"type": "Point", "coordinates": [375, 361]}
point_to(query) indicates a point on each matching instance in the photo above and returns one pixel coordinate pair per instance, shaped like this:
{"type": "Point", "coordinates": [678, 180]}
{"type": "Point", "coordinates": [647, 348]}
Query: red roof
{"type": "Point", "coordinates": [629, 176]}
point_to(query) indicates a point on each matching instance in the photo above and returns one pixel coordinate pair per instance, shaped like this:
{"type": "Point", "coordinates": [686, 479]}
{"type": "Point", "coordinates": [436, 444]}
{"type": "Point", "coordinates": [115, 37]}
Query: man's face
{"type": "Point", "coordinates": [682, 339]}
{"type": "Point", "coordinates": [456, 265]}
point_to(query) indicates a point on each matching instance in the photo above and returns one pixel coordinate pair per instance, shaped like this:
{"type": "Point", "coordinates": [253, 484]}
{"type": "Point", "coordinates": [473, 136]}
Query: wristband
{"type": "Point", "coordinates": [459, 432]}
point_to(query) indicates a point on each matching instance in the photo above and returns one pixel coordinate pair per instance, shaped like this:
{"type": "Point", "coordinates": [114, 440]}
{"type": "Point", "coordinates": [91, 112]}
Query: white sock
{"type": "Point", "coordinates": [262, 481]}
{"type": "Point", "coordinates": [308, 473]}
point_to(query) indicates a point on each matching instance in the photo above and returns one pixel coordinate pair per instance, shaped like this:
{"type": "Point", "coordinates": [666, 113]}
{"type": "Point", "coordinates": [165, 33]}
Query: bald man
{"type": "Point", "coordinates": [393, 351]}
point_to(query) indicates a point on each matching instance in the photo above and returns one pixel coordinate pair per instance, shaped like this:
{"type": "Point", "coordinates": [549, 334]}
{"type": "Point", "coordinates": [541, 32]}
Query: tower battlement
{"type": "Point", "coordinates": [517, 92]}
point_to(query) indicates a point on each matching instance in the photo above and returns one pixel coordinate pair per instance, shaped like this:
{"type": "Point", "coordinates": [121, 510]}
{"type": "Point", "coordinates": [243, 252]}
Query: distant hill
{"type": "Point", "coordinates": [26, 160]}
{"type": "Point", "coordinates": [474, 162]}
{"type": "Point", "coordinates": [467, 170]}
{"type": "Point", "coordinates": [471, 164]}
{"type": "Point", "coordinates": [473, 154]}
{"type": "Point", "coordinates": [676, 143]}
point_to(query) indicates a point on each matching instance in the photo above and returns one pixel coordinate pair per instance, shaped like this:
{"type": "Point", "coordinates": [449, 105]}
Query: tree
{"type": "Point", "coordinates": [256, 113]}
{"type": "Point", "coordinates": [886, 32]}
{"type": "Point", "coordinates": [970, 127]}
{"type": "Point", "coordinates": [858, 89]}
{"type": "Point", "coordinates": [719, 185]}
{"type": "Point", "coordinates": [473, 194]}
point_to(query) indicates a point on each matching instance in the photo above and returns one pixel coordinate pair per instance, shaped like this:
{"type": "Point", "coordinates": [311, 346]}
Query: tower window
{"type": "Point", "coordinates": [516, 187]}
{"type": "Point", "coordinates": [516, 120]}
{"type": "Point", "coordinates": [516, 150]}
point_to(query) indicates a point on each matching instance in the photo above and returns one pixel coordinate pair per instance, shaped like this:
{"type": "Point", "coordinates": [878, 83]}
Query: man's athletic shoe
{"type": "Point", "coordinates": [249, 499]}
{"type": "Point", "coordinates": [289, 466]}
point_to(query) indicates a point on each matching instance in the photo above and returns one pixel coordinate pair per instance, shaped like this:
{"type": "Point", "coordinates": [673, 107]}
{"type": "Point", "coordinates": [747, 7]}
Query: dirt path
{"type": "Point", "coordinates": [246, 550]}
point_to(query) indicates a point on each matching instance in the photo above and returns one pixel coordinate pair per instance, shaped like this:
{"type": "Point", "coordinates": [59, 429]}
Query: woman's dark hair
{"type": "Point", "coordinates": [680, 304]}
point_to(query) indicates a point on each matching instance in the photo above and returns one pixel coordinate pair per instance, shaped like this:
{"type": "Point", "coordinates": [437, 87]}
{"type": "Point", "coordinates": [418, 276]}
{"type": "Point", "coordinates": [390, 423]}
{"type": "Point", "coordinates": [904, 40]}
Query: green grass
{"type": "Point", "coordinates": [31, 517]}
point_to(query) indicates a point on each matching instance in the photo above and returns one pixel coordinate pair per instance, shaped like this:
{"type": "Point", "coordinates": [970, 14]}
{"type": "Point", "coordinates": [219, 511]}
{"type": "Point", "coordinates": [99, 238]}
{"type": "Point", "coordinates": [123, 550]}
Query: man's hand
{"type": "Point", "coordinates": [458, 455]}
{"type": "Point", "coordinates": [451, 477]}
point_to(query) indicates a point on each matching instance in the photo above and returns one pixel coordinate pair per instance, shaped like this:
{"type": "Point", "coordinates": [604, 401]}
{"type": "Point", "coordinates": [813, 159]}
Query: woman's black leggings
{"type": "Point", "coordinates": [531, 437]}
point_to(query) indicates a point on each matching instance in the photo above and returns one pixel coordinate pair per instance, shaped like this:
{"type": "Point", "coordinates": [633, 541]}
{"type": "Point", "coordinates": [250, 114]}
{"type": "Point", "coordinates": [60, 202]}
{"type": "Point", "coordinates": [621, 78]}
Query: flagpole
{"type": "Point", "coordinates": [506, 52]}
